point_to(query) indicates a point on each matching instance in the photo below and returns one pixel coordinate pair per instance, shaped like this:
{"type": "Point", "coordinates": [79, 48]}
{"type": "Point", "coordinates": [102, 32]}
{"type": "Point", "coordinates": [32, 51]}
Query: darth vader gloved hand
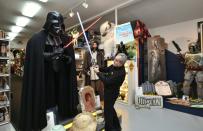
{"type": "Point", "coordinates": [49, 56]}
{"type": "Point", "coordinates": [67, 59]}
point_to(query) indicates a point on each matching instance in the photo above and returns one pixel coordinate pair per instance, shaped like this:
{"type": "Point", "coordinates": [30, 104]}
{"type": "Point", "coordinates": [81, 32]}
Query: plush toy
{"type": "Point", "coordinates": [107, 39]}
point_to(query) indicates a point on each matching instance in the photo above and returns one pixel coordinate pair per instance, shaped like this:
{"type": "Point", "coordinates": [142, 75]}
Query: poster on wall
{"type": "Point", "coordinates": [124, 33]}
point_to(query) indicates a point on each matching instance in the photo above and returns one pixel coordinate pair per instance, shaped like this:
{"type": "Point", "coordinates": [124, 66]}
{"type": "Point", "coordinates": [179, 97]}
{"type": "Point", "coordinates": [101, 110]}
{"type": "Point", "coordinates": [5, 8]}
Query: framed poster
{"type": "Point", "coordinates": [124, 33]}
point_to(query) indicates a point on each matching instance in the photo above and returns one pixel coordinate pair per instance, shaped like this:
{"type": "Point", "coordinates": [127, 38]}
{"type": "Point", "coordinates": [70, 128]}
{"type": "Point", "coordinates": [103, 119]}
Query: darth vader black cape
{"type": "Point", "coordinates": [33, 100]}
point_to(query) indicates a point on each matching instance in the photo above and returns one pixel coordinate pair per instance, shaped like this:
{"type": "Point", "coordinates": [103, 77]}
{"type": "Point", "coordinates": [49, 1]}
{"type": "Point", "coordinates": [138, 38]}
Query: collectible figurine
{"type": "Point", "coordinates": [49, 79]}
{"type": "Point", "coordinates": [156, 59]}
{"type": "Point", "coordinates": [107, 39]}
{"type": "Point", "coordinates": [193, 60]}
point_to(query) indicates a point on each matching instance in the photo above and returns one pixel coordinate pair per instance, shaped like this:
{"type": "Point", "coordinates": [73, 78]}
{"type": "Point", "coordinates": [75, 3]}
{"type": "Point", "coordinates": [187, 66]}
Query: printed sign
{"type": "Point", "coordinates": [149, 101]}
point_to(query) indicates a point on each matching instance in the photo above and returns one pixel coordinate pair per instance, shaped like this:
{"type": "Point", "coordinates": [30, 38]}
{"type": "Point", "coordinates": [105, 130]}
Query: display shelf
{"type": "Point", "coordinates": [79, 53]}
{"type": "Point", "coordinates": [4, 105]}
{"type": "Point", "coordinates": [4, 75]}
{"type": "Point", "coordinates": [4, 90]}
{"type": "Point", "coordinates": [3, 39]}
{"type": "Point", "coordinates": [4, 122]}
{"type": "Point", "coordinates": [4, 72]}
{"type": "Point", "coordinates": [4, 58]}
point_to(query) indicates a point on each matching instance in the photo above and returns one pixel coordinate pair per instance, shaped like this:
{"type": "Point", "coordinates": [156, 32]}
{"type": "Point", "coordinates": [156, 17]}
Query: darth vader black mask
{"type": "Point", "coordinates": [54, 23]}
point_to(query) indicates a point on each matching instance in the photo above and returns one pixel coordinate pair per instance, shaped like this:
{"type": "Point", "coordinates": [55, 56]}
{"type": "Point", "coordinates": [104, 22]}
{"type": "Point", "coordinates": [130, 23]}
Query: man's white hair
{"type": "Point", "coordinates": [123, 57]}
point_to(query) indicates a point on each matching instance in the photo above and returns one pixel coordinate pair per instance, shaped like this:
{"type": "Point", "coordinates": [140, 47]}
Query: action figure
{"type": "Point", "coordinates": [193, 60]}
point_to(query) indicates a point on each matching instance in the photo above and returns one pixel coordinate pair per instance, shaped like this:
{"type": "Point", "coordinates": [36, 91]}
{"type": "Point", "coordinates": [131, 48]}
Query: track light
{"type": "Point", "coordinates": [84, 4]}
{"type": "Point", "coordinates": [71, 14]}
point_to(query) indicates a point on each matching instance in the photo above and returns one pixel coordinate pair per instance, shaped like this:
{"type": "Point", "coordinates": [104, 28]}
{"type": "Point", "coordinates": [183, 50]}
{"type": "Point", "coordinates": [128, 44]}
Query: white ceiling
{"type": "Point", "coordinates": [153, 13]}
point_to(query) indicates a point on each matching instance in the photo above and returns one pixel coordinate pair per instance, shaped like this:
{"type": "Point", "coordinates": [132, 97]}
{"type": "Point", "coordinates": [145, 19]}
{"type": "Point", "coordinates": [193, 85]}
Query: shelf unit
{"type": "Point", "coordinates": [79, 58]}
{"type": "Point", "coordinates": [4, 82]}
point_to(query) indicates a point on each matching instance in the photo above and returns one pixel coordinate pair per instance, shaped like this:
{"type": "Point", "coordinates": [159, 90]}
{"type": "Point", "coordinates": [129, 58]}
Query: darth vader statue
{"type": "Point", "coordinates": [49, 79]}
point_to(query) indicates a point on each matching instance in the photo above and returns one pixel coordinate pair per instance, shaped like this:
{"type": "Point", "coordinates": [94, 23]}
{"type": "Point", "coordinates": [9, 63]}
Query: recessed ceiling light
{"type": "Point", "coordinates": [43, 0]}
{"type": "Point", "coordinates": [16, 29]}
{"type": "Point", "coordinates": [22, 21]}
{"type": "Point", "coordinates": [30, 9]}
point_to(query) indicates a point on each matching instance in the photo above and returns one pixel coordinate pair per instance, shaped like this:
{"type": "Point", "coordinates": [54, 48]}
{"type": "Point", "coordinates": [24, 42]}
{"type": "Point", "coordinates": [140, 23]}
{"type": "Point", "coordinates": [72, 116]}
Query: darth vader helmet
{"type": "Point", "coordinates": [54, 23]}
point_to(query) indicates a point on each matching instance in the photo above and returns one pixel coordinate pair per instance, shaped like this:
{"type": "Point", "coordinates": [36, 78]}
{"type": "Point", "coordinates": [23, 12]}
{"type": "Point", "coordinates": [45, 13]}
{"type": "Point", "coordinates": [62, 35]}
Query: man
{"type": "Point", "coordinates": [112, 77]}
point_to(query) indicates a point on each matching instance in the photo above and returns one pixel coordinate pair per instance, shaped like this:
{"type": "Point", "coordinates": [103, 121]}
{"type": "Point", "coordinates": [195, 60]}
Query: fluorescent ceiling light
{"type": "Point", "coordinates": [30, 9]}
{"type": "Point", "coordinates": [11, 35]}
{"type": "Point", "coordinates": [22, 21]}
{"type": "Point", "coordinates": [16, 29]}
{"type": "Point", "coordinates": [43, 0]}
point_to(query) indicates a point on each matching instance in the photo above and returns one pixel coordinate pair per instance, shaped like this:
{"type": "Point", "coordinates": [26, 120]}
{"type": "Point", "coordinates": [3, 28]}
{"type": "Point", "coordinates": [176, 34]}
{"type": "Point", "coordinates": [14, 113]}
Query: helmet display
{"type": "Point", "coordinates": [193, 48]}
{"type": "Point", "coordinates": [54, 23]}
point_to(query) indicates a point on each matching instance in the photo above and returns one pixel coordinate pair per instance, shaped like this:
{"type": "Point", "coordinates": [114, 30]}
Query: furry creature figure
{"type": "Point", "coordinates": [107, 39]}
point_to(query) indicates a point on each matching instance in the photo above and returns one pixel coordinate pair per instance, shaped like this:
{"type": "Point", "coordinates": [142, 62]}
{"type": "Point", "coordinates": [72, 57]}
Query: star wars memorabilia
{"type": "Point", "coordinates": [163, 89]}
{"type": "Point", "coordinates": [156, 59]}
{"type": "Point", "coordinates": [148, 88]}
{"type": "Point", "coordinates": [96, 61]}
{"type": "Point", "coordinates": [122, 49]}
{"type": "Point", "coordinates": [84, 122]}
{"type": "Point", "coordinates": [2, 83]}
{"type": "Point", "coordinates": [93, 75]}
{"type": "Point", "coordinates": [141, 35]}
{"type": "Point", "coordinates": [3, 49]}
{"type": "Point", "coordinates": [3, 99]}
{"type": "Point", "coordinates": [87, 99]}
{"type": "Point", "coordinates": [148, 101]}
{"type": "Point", "coordinates": [179, 101]}
{"type": "Point", "coordinates": [3, 67]}
{"type": "Point", "coordinates": [2, 114]}
{"type": "Point", "coordinates": [49, 77]}
{"type": "Point", "coordinates": [107, 39]}
{"type": "Point", "coordinates": [75, 35]}
{"type": "Point", "coordinates": [193, 60]}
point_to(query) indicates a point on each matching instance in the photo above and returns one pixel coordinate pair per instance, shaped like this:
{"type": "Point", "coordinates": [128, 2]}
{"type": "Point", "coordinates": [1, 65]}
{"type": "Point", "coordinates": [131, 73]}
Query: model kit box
{"type": "Point", "coordinates": [148, 101]}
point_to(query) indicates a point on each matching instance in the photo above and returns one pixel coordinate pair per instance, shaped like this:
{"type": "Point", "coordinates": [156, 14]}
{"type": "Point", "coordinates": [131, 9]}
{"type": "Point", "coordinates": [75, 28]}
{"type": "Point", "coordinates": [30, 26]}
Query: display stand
{"type": "Point", "coordinates": [4, 82]}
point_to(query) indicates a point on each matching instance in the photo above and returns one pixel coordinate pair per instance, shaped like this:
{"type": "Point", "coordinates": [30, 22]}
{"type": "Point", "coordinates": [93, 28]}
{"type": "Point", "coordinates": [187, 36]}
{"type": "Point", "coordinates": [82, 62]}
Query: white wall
{"type": "Point", "coordinates": [182, 33]}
